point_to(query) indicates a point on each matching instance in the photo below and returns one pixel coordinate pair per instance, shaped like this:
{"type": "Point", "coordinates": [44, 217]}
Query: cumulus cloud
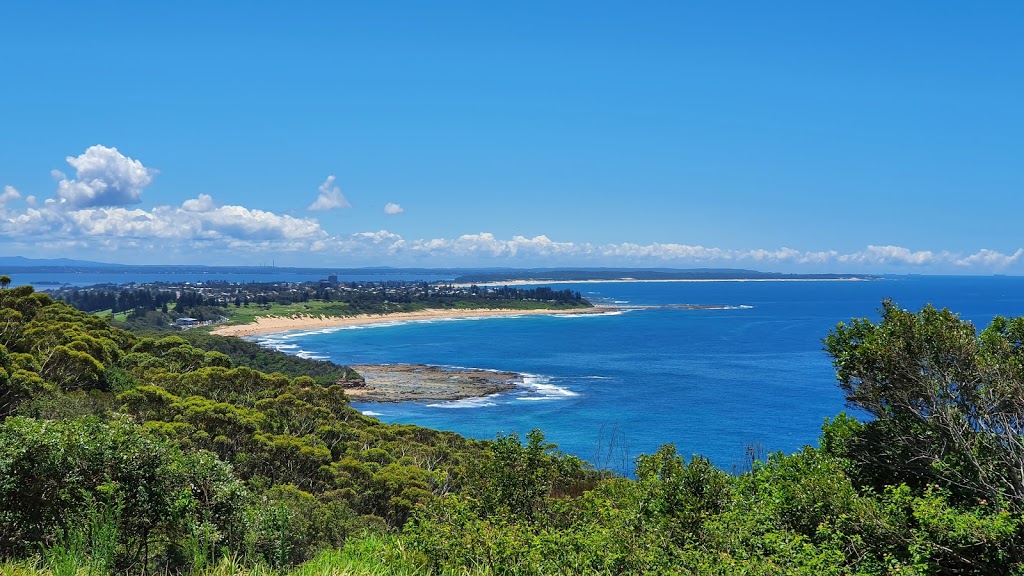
{"type": "Point", "coordinates": [103, 177]}
{"type": "Point", "coordinates": [9, 193]}
{"type": "Point", "coordinates": [485, 246]}
{"type": "Point", "coordinates": [890, 254]}
{"type": "Point", "coordinates": [199, 227]}
{"type": "Point", "coordinates": [195, 226]}
{"type": "Point", "coordinates": [89, 213]}
{"type": "Point", "coordinates": [330, 197]}
{"type": "Point", "coordinates": [204, 203]}
{"type": "Point", "coordinates": [991, 259]}
{"type": "Point", "coordinates": [391, 209]}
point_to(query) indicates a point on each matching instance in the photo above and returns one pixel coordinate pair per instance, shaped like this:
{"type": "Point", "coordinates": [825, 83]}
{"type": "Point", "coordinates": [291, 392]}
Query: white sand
{"type": "Point", "coordinates": [270, 324]}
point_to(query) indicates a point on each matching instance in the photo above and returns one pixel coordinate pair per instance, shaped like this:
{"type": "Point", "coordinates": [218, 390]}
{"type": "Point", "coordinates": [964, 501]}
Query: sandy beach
{"type": "Point", "coordinates": [271, 324]}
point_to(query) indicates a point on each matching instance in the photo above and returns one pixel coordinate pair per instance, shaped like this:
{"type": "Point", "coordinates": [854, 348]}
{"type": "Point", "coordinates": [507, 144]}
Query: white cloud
{"type": "Point", "coordinates": [893, 254]}
{"type": "Point", "coordinates": [330, 197]}
{"type": "Point", "coordinates": [200, 228]}
{"type": "Point", "coordinates": [250, 224]}
{"type": "Point", "coordinates": [103, 177]}
{"type": "Point", "coordinates": [9, 193]}
{"type": "Point", "coordinates": [391, 209]}
{"type": "Point", "coordinates": [88, 214]}
{"type": "Point", "coordinates": [204, 203]}
{"type": "Point", "coordinates": [487, 245]}
{"type": "Point", "coordinates": [990, 258]}
{"type": "Point", "coordinates": [194, 226]}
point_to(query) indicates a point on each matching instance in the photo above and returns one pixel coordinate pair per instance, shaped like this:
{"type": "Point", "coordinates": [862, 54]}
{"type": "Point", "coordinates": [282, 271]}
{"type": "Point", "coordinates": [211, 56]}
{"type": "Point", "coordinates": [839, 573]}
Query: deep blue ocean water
{"type": "Point", "coordinates": [712, 382]}
{"type": "Point", "coordinates": [609, 387]}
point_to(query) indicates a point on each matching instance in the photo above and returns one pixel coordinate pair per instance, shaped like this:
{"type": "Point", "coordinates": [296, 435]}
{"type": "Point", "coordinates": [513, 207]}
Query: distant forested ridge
{"type": "Point", "coordinates": [121, 453]}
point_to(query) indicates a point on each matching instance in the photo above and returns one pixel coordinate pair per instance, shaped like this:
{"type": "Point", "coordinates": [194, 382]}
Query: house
{"type": "Point", "coordinates": [186, 322]}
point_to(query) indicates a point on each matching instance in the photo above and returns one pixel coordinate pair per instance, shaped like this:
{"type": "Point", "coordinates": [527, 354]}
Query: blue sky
{"type": "Point", "coordinates": [791, 136]}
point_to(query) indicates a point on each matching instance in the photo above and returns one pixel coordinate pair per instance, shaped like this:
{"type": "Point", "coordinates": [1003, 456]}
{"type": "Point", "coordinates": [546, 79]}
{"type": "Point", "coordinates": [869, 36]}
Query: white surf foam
{"type": "Point", "coordinates": [616, 312]}
{"type": "Point", "coordinates": [481, 402]}
{"type": "Point", "coordinates": [540, 388]}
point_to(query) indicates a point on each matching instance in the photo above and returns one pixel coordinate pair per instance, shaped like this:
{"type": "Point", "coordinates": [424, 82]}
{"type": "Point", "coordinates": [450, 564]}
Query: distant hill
{"type": "Point", "coordinates": [22, 262]}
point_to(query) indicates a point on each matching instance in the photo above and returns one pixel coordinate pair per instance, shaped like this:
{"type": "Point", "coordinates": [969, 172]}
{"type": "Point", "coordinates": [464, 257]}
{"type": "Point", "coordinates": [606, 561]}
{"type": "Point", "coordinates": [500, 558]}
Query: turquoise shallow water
{"type": "Point", "coordinates": [713, 382]}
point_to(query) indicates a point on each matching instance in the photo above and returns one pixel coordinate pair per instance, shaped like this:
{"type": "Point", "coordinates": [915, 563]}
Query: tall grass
{"type": "Point", "coordinates": [30, 567]}
{"type": "Point", "coordinates": [370, 555]}
{"type": "Point", "coordinates": [86, 548]}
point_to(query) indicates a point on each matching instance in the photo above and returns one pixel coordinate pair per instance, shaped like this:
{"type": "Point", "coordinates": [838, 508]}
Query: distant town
{"type": "Point", "coordinates": [189, 304]}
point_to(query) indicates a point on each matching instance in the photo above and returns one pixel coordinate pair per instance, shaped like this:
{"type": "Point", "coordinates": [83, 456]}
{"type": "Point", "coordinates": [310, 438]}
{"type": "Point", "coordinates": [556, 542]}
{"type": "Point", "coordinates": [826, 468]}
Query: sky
{"type": "Point", "coordinates": [780, 136]}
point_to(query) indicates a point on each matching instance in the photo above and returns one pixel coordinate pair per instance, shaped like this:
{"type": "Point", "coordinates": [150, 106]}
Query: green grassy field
{"type": "Point", "coordinates": [248, 314]}
{"type": "Point", "coordinates": [119, 317]}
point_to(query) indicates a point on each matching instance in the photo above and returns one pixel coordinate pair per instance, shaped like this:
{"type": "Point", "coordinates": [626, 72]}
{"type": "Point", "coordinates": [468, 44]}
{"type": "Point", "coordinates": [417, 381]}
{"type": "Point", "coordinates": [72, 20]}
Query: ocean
{"type": "Point", "coordinates": [749, 376]}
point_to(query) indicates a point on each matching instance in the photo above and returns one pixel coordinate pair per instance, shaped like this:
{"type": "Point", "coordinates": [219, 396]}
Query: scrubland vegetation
{"type": "Point", "coordinates": [121, 453]}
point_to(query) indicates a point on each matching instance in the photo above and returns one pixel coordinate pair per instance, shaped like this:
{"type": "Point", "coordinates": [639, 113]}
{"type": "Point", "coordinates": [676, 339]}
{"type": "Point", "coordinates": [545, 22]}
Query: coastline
{"type": "Point", "coordinates": [528, 282]}
{"type": "Point", "coordinates": [272, 324]}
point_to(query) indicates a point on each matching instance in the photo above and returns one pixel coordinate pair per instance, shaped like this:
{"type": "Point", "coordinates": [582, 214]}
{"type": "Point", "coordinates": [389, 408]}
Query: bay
{"type": "Point", "coordinates": [748, 376]}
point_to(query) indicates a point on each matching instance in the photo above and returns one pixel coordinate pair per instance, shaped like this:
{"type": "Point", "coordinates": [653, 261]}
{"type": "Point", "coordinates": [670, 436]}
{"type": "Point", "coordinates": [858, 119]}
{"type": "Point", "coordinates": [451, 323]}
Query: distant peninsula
{"type": "Point", "coordinates": [645, 274]}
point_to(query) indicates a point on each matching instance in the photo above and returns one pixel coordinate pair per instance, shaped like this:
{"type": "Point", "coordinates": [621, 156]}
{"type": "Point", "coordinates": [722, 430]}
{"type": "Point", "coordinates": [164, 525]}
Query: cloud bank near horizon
{"type": "Point", "coordinates": [90, 213]}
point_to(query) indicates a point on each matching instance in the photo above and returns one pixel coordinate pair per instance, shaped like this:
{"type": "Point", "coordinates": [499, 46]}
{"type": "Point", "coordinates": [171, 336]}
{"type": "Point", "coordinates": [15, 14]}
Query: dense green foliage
{"type": "Point", "coordinates": [122, 453]}
{"type": "Point", "coordinates": [928, 486]}
{"type": "Point", "coordinates": [252, 355]}
{"type": "Point", "coordinates": [101, 421]}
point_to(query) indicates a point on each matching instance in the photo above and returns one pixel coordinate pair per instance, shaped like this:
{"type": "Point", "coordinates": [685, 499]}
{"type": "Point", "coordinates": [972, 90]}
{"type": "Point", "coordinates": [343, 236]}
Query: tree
{"type": "Point", "coordinates": [72, 369]}
{"type": "Point", "coordinates": [516, 479]}
{"type": "Point", "coordinates": [948, 403]}
{"type": "Point", "coordinates": [5, 281]}
{"type": "Point", "coordinates": [53, 470]}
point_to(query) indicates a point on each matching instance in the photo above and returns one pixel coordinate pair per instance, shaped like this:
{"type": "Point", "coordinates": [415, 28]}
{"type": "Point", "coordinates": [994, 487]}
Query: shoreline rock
{"type": "Point", "coordinates": [412, 382]}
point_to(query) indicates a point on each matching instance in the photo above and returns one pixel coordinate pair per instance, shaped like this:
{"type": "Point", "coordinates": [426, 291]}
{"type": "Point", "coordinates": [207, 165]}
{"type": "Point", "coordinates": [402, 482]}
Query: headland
{"type": "Point", "coordinates": [272, 324]}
